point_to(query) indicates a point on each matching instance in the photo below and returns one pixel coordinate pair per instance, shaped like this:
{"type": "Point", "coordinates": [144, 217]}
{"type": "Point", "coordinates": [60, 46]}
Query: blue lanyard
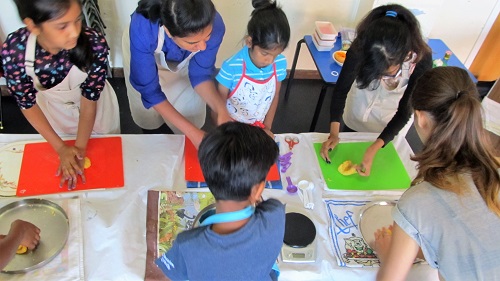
{"type": "Point", "coordinates": [229, 217]}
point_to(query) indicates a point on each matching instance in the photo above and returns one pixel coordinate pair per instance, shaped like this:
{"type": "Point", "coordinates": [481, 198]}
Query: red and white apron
{"type": "Point", "coordinates": [250, 100]}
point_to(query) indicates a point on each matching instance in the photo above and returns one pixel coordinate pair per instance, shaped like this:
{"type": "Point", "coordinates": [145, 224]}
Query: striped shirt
{"type": "Point", "coordinates": [232, 69]}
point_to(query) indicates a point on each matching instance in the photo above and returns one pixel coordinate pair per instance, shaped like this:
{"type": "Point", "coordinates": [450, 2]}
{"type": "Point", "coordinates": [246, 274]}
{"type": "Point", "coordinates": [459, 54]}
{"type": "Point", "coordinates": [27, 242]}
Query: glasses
{"type": "Point", "coordinates": [387, 77]}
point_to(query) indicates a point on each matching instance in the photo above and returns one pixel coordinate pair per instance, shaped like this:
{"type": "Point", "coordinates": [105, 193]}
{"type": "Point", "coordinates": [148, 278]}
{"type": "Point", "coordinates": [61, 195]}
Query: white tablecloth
{"type": "Point", "coordinates": [113, 222]}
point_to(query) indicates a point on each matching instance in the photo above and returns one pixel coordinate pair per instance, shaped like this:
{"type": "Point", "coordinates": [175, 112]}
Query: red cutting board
{"type": "Point", "coordinates": [40, 163]}
{"type": "Point", "coordinates": [193, 169]}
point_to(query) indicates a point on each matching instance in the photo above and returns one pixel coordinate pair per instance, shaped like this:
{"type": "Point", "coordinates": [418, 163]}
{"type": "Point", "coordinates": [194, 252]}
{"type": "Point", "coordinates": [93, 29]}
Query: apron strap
{"type": "Point", "coordinates": [29, 62]}
{"type": "Point", "coordinates": [160, 56]}
{"type": "Point", "coordinates": [161, 39]}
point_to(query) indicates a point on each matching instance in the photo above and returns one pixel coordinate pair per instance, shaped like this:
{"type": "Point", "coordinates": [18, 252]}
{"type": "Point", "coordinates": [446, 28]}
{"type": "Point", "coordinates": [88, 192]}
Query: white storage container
{"type": "Point", "coordinates": [323, 43]}
{"type": "Point", "coordinates": [326, 30]}
{"type": "Point", "coordinates": [318, 47]}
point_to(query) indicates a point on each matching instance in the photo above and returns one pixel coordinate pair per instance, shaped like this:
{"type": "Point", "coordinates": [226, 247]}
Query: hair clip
{"type": "Point", "coordinates": [458, 94]}
{"type": "Point", "coordinates": [391, 14]}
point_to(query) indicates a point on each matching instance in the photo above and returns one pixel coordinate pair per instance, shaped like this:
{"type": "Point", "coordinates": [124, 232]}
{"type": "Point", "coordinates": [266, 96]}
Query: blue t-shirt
{"type": "Point", "coordinates": [247, 254]}
{"type": "Point", "coordinates": [232, 69]}
{"type": "Point", "coordinates": [143, 69]}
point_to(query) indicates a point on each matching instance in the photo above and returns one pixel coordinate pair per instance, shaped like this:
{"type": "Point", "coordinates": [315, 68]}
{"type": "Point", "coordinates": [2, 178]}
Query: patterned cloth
{"type": "Point", "coordinates": [50, 69]}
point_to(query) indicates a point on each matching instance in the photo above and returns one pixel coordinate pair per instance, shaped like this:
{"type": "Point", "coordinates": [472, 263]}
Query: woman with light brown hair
{"type": "Point", "coordinates": [452, 211]}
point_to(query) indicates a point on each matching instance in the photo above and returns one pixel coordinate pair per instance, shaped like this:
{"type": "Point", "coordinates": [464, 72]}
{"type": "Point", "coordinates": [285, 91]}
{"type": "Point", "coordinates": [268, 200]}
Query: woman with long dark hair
{"type": "Point", "coordinates": [169, 56]}
{"type": "Point", "coordinates": [386, 58]}
{"type": "Point", "coordinates": [56, 69]}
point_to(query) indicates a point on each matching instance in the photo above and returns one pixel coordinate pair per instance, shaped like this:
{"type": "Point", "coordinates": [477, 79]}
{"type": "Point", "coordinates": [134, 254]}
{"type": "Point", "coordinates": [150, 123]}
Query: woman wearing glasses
{"type": "Point", "coordinates": [387, 57]}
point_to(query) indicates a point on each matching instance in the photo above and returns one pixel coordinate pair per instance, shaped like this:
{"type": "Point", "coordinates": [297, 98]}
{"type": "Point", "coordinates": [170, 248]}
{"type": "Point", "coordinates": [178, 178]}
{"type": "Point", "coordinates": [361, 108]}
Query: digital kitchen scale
{"type": "Point", "coordinates": [299, 243]}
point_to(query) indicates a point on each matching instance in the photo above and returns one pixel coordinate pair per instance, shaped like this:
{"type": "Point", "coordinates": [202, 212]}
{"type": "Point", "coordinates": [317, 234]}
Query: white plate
{"type": "Point", "coordinates": [11, 157]}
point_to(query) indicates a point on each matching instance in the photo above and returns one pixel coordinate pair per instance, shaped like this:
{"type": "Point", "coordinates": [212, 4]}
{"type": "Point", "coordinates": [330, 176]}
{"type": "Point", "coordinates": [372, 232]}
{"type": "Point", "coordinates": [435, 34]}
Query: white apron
{"type": "Point", "coordinates": [250, 100]}
{"type": "Point", "coordinates": [370, 110]}
{"type": "Point", "coordinates": [175, 84]}
{"type": "Point", "coordinates": [61, 103]}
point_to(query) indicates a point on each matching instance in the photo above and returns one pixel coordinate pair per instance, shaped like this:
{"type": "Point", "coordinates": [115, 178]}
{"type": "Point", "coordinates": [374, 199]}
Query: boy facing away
{"type": "Point", "coordinates": [243, 239]}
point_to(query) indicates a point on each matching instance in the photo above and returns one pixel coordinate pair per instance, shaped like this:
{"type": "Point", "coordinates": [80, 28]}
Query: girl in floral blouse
{"type": "Point", "coordinates": [56, 69]}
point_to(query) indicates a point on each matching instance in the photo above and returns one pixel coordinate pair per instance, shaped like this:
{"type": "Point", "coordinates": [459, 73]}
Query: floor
{"type": "Point", "coordinates": [293, 116]}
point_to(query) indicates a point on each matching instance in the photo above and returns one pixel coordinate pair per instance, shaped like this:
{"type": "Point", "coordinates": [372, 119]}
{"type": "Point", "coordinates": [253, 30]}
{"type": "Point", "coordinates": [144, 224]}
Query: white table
{"type": "Point", "coordinates": [113, 222]}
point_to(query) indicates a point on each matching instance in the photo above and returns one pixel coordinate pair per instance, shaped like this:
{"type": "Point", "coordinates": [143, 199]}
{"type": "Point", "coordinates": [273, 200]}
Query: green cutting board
{"type": "Point", "coordinates": [388, 172]}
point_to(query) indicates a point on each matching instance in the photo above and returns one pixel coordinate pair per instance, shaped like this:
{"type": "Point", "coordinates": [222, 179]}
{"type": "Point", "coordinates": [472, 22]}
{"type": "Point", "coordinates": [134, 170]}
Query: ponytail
{"type": "Point", "coordinates": [268, 26]}
{"type": "Point", "coordinates": [458, 142]}
{"type": "Point", "coordinates": [149, 9]}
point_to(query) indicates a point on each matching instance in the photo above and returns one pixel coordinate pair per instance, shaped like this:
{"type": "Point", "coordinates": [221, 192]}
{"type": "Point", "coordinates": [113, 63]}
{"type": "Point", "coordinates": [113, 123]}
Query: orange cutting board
{"type": "Point", "coordinates": [40, 163]}
{"type": "Point", "coordinates": [193, 169]}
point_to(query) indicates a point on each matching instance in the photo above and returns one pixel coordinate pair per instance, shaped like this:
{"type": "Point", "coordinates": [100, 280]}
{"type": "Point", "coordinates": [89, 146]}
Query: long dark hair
{"type": "Point", "coordinates": [180, 17]}
{"type": "Point", "coordinates": [458, 142]}
{"type": "Point", "coordinates": [41, 11]}
{"type": "Point", "coordinates": [268, 26]}
{"type": "Point", "coordinates": [385, 39]}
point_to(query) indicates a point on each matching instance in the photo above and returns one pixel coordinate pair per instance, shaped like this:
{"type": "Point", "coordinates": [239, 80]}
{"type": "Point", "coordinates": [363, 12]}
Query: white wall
{"type": "Point", "coordinates": [460, 23]}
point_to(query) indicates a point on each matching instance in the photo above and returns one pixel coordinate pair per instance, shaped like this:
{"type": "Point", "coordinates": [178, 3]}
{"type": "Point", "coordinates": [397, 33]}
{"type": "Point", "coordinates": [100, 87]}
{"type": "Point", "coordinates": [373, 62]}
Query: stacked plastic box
{"type": "Point", "coordinates": [324, 36]}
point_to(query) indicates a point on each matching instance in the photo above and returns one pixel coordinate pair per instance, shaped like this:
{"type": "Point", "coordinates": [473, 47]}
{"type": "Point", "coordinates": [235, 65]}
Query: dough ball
{"type": "Point", "coordinates": [21, 250]}
{"type": "Point", "coordinates": [86, 163]}
{"type": "Point", "coordinates": [347, 168]}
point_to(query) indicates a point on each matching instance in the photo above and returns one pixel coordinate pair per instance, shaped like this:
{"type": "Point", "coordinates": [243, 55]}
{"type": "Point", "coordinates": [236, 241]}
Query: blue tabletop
{"type": "Point", "coordinates": [439, 48]}
{"type": "Point", "coordinates": [329, 69]}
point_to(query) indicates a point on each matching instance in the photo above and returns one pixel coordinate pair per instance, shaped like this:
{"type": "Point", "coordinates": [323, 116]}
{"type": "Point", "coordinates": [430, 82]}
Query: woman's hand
{"type": "Point", "coordinates": [382, 244]}
{"type": "Point", "coordinates": [269, 133]}
{"type": "Point", "coordinates": [332, 141]}
{"type": "Point", "coordinates": [365, 167]}
{"type": "Point", "coordinates": [71, 160]}
{"type": "Point", "coordinates": [328, 146]}
{"type": "Point", "coordinates": [396, 251]}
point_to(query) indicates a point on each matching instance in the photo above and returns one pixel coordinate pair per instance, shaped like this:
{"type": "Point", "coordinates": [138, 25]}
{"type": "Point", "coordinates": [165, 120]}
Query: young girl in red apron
{"type": "Point", "coordinates": [250, 80]}
{"type": "Point", "coordinates": [56, 70]}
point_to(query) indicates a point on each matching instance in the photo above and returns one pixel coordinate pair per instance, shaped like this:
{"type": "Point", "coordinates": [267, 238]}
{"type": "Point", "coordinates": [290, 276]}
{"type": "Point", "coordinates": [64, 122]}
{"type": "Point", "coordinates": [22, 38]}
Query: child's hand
{"type": "Point", "coordinates": [269, 132]}
{"type": "Point", "coordinates": [383, 239]}
{"type": "Point", "coordinates": [223, 117]}
{"type": "Point", "coordinates": [71, 160]}
{"type": "Point", "coordinates": [29, 233]}
{"type": "Point", "coordinates": [197, 137]}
